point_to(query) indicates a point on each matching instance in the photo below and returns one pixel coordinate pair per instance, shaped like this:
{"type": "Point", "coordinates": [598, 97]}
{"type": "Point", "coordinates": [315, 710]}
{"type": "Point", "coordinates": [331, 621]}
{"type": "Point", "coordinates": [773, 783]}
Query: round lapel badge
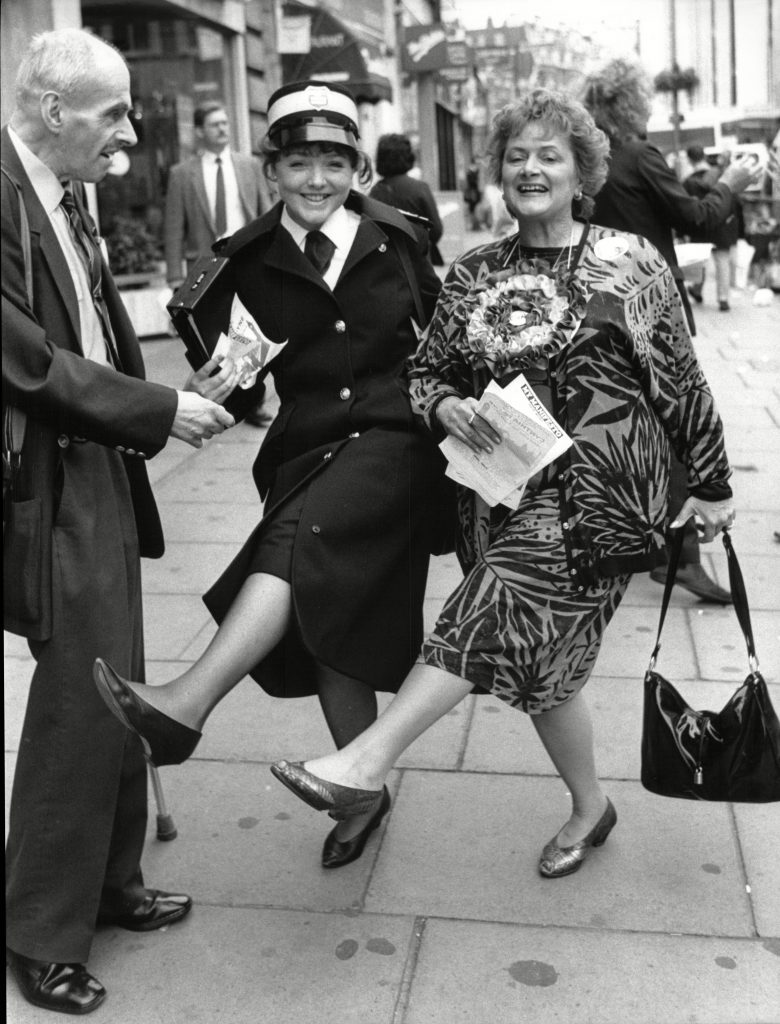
{"type": "Point", "coordinates": [610, 248]}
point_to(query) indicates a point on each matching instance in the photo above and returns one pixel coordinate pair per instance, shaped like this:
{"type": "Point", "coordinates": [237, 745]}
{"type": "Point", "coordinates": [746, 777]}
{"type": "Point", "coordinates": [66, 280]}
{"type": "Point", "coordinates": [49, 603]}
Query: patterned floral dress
{"type": "Point", "coordinates": [542, 582]}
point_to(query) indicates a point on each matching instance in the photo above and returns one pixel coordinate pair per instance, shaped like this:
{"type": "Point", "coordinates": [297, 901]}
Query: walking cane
{"type": "Point", "coordinates": [166, 830]}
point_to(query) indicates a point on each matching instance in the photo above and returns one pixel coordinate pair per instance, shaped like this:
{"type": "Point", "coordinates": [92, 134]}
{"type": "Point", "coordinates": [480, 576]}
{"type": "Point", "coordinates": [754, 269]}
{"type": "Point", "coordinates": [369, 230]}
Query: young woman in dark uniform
{"type": "Point", "coordinates": [326, 595]}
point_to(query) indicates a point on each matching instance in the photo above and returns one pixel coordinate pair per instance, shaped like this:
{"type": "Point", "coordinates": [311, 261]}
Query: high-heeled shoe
{"type": "Point", "coordinates": [557, 861]}
{"type": "Point", "coordinates": [337, 852]}
{"type": "Point", "coordinates": [339, 801]}
{"type": "Point", "coordinates": [165, 741]}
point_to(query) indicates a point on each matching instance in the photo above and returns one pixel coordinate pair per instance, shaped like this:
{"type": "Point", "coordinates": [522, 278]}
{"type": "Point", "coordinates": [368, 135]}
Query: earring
{"type": "Point", "coordinates": [578, 194]}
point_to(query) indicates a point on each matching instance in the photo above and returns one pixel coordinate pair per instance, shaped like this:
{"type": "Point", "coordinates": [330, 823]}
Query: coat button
{"type": "Point", "coordinates": [315, 529]}
{"type": "Point", "coordinates": [383, 247]}
{"type": "Point", "coordinates": [63, 440]}
{"type": "Point", "coordinates": [340, 326]}
{"type": "Point", "coordinates": [345, 394]}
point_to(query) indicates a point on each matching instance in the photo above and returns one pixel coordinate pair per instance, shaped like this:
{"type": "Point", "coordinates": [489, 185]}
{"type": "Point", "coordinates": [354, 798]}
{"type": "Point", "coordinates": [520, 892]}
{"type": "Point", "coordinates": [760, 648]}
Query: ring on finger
{"type": "Point", "coordinates": [472, 417]}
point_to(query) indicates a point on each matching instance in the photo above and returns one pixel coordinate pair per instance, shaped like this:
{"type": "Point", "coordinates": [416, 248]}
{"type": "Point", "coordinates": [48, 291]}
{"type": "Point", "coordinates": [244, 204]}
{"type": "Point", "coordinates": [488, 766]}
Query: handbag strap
{"type": "Point", "coordinates": [738, 593]}
{"type": "Point", "coordinates": [14, 419]}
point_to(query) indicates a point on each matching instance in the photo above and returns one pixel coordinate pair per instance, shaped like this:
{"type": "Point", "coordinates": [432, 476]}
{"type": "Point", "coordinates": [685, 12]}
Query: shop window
{"type": "Point", "coordinates": [175, 64]}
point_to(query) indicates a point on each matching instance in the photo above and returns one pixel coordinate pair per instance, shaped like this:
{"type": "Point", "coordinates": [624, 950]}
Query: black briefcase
{"type": "Point", "coordinates": [200, 308]}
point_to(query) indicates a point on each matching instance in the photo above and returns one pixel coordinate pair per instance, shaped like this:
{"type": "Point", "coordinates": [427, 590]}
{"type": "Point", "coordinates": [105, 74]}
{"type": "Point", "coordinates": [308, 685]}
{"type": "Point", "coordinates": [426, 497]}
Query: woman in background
{"type": "Point", "coordinates": [394, 160]}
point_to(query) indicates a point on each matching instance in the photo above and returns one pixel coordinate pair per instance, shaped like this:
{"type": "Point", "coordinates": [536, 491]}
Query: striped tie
{"type": "Point", "coordinates": [90, 254]}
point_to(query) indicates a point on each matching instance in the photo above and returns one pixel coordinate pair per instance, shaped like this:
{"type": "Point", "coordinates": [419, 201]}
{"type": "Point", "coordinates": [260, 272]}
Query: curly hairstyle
{"type": "Point", "coordinates": [394, 155]}
{"type": "Point", "coordinates": [619, 97]}
{"type": "Point", "coordinates": [361, 162]}
{"type": "Point", "coordinates": [561, 115]}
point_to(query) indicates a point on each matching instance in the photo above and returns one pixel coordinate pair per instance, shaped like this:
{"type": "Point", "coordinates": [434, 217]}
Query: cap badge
{"type": "Point", "coordinates": [317, 97]}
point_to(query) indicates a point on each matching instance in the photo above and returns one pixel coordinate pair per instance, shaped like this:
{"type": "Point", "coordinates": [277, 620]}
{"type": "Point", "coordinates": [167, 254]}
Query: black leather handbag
{"type": "Point", "coordinates": [732, 754]}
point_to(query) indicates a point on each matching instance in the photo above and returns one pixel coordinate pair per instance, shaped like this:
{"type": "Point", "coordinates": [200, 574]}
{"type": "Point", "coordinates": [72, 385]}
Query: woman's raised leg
{"type": "Point", "coordinates": [253, 626]}
{"type": "Point", "coordinates": [426, 695]}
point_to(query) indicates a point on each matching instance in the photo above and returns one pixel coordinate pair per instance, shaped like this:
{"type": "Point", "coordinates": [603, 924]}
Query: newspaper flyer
{"type": "Point", "coordinates": [531, 439]}
{"type": "Point", "coordinates": [246, 345]}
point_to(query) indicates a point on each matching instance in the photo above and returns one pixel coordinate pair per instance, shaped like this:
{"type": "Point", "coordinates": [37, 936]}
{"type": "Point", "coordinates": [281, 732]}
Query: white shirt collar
{"type": "Point", "coordinates": [339, 227]}
{"type": "Point", "coordinates": [47, 186]}
{"type": "Point", "coordinates": [211, 158]}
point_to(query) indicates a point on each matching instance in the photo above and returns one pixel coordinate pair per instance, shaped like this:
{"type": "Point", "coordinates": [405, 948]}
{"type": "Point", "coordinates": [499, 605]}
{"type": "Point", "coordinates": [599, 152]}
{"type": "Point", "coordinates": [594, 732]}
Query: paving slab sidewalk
{"type": "Point", "coordinates": [444, 919]}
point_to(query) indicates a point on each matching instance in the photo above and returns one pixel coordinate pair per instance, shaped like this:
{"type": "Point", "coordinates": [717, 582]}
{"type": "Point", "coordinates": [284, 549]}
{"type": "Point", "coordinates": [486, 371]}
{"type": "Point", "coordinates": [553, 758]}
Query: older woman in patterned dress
{"type": "Point", "coordinates": [614, 365]}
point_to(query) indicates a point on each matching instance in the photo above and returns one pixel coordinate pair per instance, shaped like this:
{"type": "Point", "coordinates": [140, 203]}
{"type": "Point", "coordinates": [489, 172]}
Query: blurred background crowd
{"type": "Point", "coordinates": [436, 71]}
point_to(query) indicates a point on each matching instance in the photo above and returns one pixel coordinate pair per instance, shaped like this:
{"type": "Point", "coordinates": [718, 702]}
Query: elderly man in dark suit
{"type": "Point", "coordinates": [211, 195]}
{"type": "Point", "coordinates": [82, 513]}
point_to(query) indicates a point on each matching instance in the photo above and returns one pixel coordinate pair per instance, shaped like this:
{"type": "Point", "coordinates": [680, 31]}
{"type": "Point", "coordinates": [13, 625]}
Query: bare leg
{"type": "Point", "coordinates": [427, 694]}
{"type": "Point", "coordinates": [255, 624]}
{"type": "Point", "coordinates": [567, 734]}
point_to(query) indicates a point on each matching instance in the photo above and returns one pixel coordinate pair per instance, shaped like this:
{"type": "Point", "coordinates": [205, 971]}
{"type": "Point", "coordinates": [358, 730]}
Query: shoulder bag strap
{"type": "Point", "coordinates": [14, 419]}
{"type": "Point", "coordinates": [739, 595]}
{"type": "Point", "coordinates": [671, 572]}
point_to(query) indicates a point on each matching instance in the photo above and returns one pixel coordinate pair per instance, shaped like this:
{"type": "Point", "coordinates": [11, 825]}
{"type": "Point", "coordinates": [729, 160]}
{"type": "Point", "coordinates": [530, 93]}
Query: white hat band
{"type": "Point", "coordinates": [313, 97]}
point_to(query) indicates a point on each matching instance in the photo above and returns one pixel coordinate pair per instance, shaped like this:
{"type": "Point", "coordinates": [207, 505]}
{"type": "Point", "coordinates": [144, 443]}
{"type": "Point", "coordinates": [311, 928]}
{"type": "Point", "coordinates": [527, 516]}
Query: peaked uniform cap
{"type": "Point", "coordinates": [312, 112]}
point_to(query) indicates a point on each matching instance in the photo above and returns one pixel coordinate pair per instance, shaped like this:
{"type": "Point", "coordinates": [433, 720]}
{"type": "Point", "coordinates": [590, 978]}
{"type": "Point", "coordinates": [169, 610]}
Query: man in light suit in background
{"type": "Point", "coordinates": [210, 195]}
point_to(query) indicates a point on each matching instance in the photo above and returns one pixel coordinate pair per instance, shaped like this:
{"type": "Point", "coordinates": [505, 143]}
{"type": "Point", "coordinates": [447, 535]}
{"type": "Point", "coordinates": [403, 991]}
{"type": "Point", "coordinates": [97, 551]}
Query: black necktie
{"type": "Point", "coordinates": [319, 249]}
{"type": "Point", "coordinates": [220, 208]}
{"type": "Point", "coordinates": [90, 254]}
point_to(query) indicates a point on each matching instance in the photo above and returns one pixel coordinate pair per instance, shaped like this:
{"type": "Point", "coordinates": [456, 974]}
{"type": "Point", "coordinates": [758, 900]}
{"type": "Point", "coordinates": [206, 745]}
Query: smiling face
{"type": "Point", "coordinates": [313, 183]}
{"type": "Point", "coordinates": [539, 177]}
{"type": "Point", "coordinates": [93, 121]}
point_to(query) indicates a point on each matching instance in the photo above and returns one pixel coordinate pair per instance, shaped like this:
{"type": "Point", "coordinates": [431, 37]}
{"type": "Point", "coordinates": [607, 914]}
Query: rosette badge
{"type": "Point", "coordinates": [528, 315]}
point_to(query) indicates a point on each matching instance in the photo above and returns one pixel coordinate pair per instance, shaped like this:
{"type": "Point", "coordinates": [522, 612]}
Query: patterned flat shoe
{"type": "Point", "coordinates": [339, 801]}
{"type": "Point", "coordinates": [557, 861]}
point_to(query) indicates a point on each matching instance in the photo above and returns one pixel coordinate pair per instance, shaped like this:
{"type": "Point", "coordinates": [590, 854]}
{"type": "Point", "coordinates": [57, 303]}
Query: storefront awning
{"type": "Point", "coordinates": [336, 55]}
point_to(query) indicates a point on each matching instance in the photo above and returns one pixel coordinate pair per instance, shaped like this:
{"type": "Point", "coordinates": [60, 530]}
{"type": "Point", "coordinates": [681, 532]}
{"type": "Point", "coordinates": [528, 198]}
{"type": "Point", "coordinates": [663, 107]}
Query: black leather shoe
{"type": "Point", "coordinates": [339, 801]}
{"type": "Point", "coordinates": [156, 910]}
{"type": "Point", "coordinates": [336, 852]}
{"type": "Point", "coordinates": [165, 741]}
{"type": "Point", "coordinates": [695, 579]}
{"type": "Point", "coordinates": [68, 988]}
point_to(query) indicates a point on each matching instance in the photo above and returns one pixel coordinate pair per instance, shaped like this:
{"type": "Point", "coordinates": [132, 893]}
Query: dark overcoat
{"type": "Point", "coordinates": [644, 196]}
{"type": "Point", "coordinates": [346, 432]}
{"type": "Point", "coordinates": [83, 510]}
{"type": "Point", "coordinates": [66, 396]}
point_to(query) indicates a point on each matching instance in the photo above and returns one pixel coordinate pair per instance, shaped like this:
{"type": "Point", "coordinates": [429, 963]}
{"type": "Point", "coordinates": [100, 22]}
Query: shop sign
{"type": "Point", "coordinates": [294, 34]}
{"type": "Point", "coordinates": [455, 74]}
{"type": "Point", "coordinates": [428, 48]}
